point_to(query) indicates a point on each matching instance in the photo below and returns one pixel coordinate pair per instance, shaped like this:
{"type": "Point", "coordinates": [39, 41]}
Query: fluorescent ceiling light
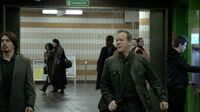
{"type": "Point", "coordinates": [49, 11]}
{"type": "Point", "coordinates": [74, 12]}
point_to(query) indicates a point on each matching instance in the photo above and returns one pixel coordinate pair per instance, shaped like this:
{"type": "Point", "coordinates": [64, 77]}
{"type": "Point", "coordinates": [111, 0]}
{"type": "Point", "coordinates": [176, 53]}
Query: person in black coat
{"type": "Point", "coordinates": [58, 68]}
{"type": "Point", "coordinates": [177, 76]}
{"type": "Point", "coordinates": [48, 59]}
{"type": "Point", "coordinates": [106, 52]}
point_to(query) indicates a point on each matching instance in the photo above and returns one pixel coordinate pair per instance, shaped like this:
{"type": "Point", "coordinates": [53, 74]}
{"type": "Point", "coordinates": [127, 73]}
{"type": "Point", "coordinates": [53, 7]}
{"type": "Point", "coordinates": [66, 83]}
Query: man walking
{"type": "Point", "coordinates": [123, 84]}
{"type": "Point", "coordinates": [17, 91]}
{"type": "Point", "coordinates": [106, 52]}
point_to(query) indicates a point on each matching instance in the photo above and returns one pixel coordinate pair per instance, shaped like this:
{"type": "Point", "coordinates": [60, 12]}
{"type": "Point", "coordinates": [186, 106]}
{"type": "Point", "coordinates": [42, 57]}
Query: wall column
{"type": "Point", "coordinates": [144, 28]}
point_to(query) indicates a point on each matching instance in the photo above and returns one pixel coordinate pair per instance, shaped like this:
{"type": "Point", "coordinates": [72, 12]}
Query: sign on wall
{"type": "Point", "coordinates": [77, 3]}
{"type": "Point", "coordinates": [38, 73]}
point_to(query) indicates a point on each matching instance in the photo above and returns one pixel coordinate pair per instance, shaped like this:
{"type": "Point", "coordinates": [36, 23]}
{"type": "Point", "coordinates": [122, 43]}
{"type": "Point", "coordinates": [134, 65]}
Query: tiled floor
{"type": "Point", "coordinates": [82, 98]}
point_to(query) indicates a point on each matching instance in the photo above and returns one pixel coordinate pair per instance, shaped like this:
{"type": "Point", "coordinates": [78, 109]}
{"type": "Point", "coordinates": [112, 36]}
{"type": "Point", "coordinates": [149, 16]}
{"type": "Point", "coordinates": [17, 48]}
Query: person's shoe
{"type": "Point", "coordinates": [54, 91]}
{"type": "Point", "coordinates": [42, 90]}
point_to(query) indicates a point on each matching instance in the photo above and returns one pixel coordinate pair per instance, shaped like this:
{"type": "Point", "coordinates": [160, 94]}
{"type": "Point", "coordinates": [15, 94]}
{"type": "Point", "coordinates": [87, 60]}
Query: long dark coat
{"type": "Point", "coordinates": [58, 69]}
{"type": "Point", "coordinates": [103, 56]}
{"type": "Point", "coordinates": [48, 56]}
{"type": "Point", "coordinates": [22, 92]}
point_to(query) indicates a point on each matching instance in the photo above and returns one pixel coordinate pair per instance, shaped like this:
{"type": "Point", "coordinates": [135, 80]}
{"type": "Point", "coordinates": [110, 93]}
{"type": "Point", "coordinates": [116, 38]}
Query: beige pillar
{"type": "Point", "coordinates": [144, 28]}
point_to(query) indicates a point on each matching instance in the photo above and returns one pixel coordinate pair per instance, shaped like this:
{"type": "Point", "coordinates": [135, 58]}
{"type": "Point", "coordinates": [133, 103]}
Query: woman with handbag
{"type": "Point", "coordinates": [59, 68]}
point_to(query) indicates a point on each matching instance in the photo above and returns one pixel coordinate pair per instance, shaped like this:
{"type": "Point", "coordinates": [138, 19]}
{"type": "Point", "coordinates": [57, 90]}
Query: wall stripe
{"type": "Point", "coordinates": [76, 25]}
{"type": "Point", "coordinates": [85, 15]}
{"type": "Point", "coordinates": [89, 62]}
{"type": "Point", "coordinates": [144, 21]}
{"type": "Point", "coordinates": [89, 72]}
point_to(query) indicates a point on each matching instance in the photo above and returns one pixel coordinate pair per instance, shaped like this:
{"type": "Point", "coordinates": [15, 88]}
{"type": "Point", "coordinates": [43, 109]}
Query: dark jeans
{"type": "Point", "coordinates": [130, 107]}
{"type": "Point", "coordinates": [176, 99]}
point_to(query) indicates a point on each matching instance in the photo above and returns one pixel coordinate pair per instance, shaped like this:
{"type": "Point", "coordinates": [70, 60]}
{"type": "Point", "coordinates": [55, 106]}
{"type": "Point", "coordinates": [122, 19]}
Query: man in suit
{"type": "Point", "coordinates": [123, 83]}
{"type": "Point", "coordinates": [17, 91]}
{"type": "Point", "coordinates": [106, 52]}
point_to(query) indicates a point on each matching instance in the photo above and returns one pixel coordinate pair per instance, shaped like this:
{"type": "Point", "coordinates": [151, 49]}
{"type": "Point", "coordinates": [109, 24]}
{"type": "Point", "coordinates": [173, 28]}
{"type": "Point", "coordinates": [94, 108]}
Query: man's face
{"type": "Point", "coordinates": [134, 42]}
{"type": "Point", "coordinates": [6, 44]}
{"type": "Point", "coordinates": [109, 42]}
{"type": "Point", "coordinates": [183, 47]}
{"type": "Point", "coordinates": [122, 43]}
{"type": "Point", "coordinates": [141, 43]}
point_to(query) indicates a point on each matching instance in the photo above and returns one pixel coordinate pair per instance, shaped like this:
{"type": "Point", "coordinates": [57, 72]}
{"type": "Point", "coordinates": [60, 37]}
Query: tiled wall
{"type": "Point", "coordinates": [83, 35]}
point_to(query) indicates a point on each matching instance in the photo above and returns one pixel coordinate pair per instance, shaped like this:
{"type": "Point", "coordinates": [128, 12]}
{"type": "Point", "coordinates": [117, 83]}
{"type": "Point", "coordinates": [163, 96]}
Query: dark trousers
{"type": "Point", "coordinates": [129, 107]}
{"type": "Point", "coordinates": [176, 99]}
{"type": "Point", "coordinates": [132, 107]}
{"type": "Point", "coordinates": [45, 85]}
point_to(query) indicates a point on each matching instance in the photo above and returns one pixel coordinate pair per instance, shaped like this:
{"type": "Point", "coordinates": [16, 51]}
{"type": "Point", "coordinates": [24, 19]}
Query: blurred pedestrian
{"type": "Point", "coordinates": [106, 52]}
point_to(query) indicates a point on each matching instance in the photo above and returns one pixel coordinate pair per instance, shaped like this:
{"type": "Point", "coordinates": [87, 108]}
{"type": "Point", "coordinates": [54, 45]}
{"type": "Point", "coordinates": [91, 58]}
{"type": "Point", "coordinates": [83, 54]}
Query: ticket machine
{"type": "Point", "coordinates": [195, 60]}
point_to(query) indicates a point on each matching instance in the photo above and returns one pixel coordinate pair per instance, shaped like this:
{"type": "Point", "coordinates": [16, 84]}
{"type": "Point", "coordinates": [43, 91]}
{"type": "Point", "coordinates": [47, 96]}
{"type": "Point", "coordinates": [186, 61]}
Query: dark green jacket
{"type": "Point", "coordinates": [22, 92]}
{"type": "Point", "coordinates": [111, 83]}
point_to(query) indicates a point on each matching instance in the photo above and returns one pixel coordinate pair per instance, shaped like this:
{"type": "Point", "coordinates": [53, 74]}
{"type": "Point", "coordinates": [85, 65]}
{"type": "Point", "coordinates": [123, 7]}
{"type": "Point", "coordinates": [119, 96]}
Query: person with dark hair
{"type": "Point", "coordinates": [177, 76]}
{"type": "Point", "coordinates": [106, 52]}
{"type": "Point", "coordinates": [133, 44]}
{"type": "Point", "coordinates": [58, 69]}
{"type": "Point", "coordinates": [48, 59]}
{"type": "Point", "coordinates": [123, 85]}
{"type": "Point", "coordinates": [17, 90]}
{"type": "Point", "coordinates": [140, 50]}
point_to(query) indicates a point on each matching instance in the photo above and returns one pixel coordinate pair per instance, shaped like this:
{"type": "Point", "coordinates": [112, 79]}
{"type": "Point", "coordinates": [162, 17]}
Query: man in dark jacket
{"type": "Point", "coordinates": [177, 76]}
{"type": "Point", "coordinates": [123, 84]}
{"type": "Point", "coordinates": [106, 52]}
{"type": "Point", "coordinates": [17, 90]}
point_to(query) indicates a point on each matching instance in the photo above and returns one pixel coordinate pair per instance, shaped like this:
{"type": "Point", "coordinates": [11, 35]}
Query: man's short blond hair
{"type": "Point", "coordinates": [129, 36]}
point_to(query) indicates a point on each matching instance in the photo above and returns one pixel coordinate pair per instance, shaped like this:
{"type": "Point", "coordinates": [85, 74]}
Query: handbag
{"type": "Point", "coordinates": [67, 63]}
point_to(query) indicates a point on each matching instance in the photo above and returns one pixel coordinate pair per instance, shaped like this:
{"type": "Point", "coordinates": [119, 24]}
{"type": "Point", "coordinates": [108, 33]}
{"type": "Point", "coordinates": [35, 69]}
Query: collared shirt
{"type": "Point", "coordinates": [7, 73]}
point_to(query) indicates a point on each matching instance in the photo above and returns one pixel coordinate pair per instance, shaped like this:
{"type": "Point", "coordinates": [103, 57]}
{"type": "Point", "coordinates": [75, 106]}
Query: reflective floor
{"type": "Point", "coordinates": [82, 98]}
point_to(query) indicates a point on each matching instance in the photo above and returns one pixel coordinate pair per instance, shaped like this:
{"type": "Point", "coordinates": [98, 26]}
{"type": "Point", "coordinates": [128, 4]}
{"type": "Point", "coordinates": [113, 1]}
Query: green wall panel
{"type": "Point", "coordinates": [193, 101]}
